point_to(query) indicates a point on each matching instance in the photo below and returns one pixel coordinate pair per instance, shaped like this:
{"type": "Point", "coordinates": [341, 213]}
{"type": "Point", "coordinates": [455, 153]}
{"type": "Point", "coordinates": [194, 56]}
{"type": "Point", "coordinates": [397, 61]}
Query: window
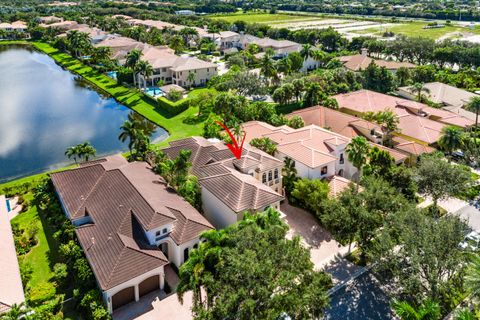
{"type": "Point", "coordinates": [195, 246]}
{"type": "Point", "coordinates": [157, 233]}
{"type": "Point", "coordinates": [324, 170]}
{"type": "Point", "coordinates": [164, 69]}
{"type": "Point", "coordinates": [208, 70]}
{"type": "Point", "coordinates": [264, 177]}
{"type": "Point", "coordinates": [164, 230]}
{"type": "Point", "coordinates": [269, 175]}
{"type": "Point", "coordinates": [342, 160]}
{"type": "Point", "coordinates": [185, 254]}
{"type": "Point", "coordinates": [275, 174]}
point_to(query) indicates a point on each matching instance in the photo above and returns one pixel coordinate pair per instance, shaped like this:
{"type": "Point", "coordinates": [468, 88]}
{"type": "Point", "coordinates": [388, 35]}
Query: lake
{"type": "Point", "coordinates": [45, 109]}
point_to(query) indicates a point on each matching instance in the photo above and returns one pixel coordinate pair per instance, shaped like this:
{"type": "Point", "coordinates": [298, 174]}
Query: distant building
{"type": "Point", "coordinates": [49, 19]}
{"type": "Point", "coordinates": [361, 61]}
{"type": "Point", "coordinates": [184, 12]}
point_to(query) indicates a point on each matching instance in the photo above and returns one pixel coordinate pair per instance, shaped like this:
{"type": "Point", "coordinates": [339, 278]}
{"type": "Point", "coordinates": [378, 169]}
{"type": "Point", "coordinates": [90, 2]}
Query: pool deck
{"type": "Point", "coordinates": [11, 289]}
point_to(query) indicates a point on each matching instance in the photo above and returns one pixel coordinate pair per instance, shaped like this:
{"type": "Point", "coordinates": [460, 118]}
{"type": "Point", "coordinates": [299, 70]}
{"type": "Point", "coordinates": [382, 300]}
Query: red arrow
{"type": "Point", "coordinates": [235, 148]}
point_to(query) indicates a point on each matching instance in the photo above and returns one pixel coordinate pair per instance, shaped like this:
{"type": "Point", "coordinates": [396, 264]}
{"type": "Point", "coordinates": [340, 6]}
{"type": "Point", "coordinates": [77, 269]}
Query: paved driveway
{"type": "Point", "coordinates": [361, 300]}
{"type": "Point", "coordinates": [323, 248]}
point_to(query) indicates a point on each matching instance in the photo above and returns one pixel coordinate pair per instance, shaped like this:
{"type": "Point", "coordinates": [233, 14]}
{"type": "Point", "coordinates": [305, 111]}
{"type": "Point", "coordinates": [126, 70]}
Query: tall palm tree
{"type": "Point", "coordinates": [267, 67]}
{"type": "Point", "coordinates": [319, 56]}
{"type": "Point", "coordinates": [145, 69]}
{"type": "Point", "coordinates": [389, 122]}
{"type": "Point", "coordinates": [86, 150]}
{"type": "Point", "coordinates": [474, 106]}
{"type": "Point", "coordinates": [129, 131]}
{"type": "Point", "coordinates": [313, 95]}
{"type": "Point", "coordinates": [176, 43]}
{"type": "Point", "coordinates": [357, 153]}
{"type": "Point", "coordinates": [306, 51]}
{"type": "Point", "coordinates": [101, 53]}
{"type": "Point", "coordinates": [451, 139]}
{"type": "Point", "coordinates": [132, 59]}
{"type": "Point", "coordinates": [72, 152]}
{"type": "Point", "coordinates": [418, 89]}
{"type": "Point", "coordinates": [289, 173]}
{"type": "Point", "coordinates": [428, 310]}
{"type": "Point", "coordinates": [79, 42]}
{"type": "Point", "coordinates": [191, 78]}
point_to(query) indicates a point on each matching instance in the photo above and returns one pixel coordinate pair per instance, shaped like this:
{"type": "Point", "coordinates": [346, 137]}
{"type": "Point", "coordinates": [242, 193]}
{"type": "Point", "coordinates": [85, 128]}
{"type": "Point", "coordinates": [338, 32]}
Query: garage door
{"type": "Point", "coordinates": [123, 297]}
{"type": "Point", "coordinates": [148, 285]}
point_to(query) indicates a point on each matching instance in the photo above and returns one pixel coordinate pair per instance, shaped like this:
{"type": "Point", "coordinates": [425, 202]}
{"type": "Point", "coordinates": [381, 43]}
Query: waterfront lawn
{"type": "Point", "coordinates": [131, 98]}
{"type": "Point", "coordinates": [263, 17]}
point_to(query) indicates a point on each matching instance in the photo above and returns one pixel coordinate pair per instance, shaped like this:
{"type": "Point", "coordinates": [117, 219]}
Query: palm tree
{"type": "Point", "coordinates": [298, 87]}
{"type": "Point", "coordinates": [313, 95]}
{"type": "Point", "coordinates": [389, 122]}
{"type": "Point", "coordinates": [79, 42]}
{"type": "Point", "coordinates": [451, 139]}
{"type": "Point", "coordinates": [474, 106]}
{"type": "Point", "coordinates": [289, 173]}
{"type": "Point", "coordinates": [132, 59]}
{"type": "Point", "coordinates": [17, 311]}
{"type": "Point", "coordinates": [428, 310]}
{"type": "Point", "coordinates": [472, 277]}
{"type": "Point", "coordinates": [418, 89]}
{"type": "Point", "coordinates": [306, 51]}
{"type": "Point", "coordinates": [176, 43]}
{"type": "Point", "coordinates": [357, 152]}
{"type": "Point", "coordinates": [86, 150]}
{"type": "Point", "coordinates": [145, 69]}
{"type": "Point", "coordinates": [284, 66]}
{"type": "Point", "coordinates": [101, 53]}
{"type": "Point", "coordinates": [72, 152]}
{"type": "Point", "coordinates": [319, 56]}
{"type": "Point", "coordinates": [267, 67]}
{"type": "Point", "coordinates": [191, 78]}
{"type": "Point", "coordinates": [128, 131]}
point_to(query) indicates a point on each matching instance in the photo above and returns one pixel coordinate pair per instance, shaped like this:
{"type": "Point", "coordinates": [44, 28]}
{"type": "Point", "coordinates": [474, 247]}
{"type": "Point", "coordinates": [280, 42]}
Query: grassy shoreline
{"type": "Point", "coordinates": [130, 98]}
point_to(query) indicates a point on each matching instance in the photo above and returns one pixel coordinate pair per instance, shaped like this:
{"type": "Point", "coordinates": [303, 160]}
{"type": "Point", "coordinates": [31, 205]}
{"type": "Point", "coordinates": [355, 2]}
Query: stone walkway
{"type": "Point", "coordinates": [323, 248]}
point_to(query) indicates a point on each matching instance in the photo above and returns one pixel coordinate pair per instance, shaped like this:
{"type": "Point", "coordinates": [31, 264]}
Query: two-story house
{"type": "Point", "coordinates": [232, 186]}
{"type": "Point", "coordinates": [317, 152]}
{"type": "Point", "coordinates": [129, 224]}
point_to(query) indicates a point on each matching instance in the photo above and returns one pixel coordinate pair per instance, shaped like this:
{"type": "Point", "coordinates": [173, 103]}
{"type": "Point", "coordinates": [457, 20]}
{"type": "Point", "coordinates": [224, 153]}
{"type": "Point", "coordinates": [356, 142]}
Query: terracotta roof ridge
{"type": "Point", "coordinates": [188, 219]}
{"type": "Point", "coordinates": [112, 271]}
{"type": "Point", "coordinates": [139, 250]}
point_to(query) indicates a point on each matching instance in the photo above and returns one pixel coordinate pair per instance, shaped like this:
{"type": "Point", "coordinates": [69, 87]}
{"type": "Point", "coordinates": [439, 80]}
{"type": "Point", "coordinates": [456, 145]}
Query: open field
{"type": "Point", "coordinates": [263, 18]}
{"type": "Point", "coordinates": [351, 27]}
{"type": "Point", "coordinates": [415, 29]}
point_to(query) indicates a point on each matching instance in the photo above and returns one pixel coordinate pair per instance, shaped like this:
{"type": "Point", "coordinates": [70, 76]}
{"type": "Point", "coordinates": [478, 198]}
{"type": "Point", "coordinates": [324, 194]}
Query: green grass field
{"type": "Point", "coordinates": [415, 29]}
{"type": "Point", "coordinates": [263, 18]}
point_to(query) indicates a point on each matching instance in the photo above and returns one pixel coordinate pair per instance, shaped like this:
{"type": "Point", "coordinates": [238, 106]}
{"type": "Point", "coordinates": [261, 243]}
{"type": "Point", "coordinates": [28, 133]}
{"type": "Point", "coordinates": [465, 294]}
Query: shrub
{"type": "Point", "coordinates": [42, 293]}
{"type": "Point", "coordinates": [26, 271]}
{"type": "Point", "coordinates": [173, 108]}
{"type": "Point", "coordinates": [174, 95]}
{"type": "Point", "coordinates": [60, 272]}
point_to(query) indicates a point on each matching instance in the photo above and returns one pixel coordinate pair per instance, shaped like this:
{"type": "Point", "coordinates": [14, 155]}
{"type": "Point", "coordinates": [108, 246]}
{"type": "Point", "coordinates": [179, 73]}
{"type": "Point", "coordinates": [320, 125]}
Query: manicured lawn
{"type": "Point", "coordinates": [39, 256]}
{"type": "Point", "coordinates": [415, 29]}
{"type": "Point", "coordinates": [263, 17]}
{"type": "Point", "coordinates": [128, 97]}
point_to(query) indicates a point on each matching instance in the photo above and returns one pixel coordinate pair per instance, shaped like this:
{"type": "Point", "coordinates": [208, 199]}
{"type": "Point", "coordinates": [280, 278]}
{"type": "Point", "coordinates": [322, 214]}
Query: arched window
{"type": "Point", "coordinates": [269, 175]}
{"type": "Point", "coordinates": [264, 177]}
{"type": "Point", "coordinates": [185, 254]}
{"type": "Point", "coordinates": [340, 172]}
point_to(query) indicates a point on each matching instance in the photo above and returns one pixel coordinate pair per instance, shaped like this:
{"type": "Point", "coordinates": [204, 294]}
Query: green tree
{"type": "Point", "coordinates": [296, 122]}
{"type": "Point", "coordinates": [357, 153]}
{"type": "Point", "coordinates": [296, 61]}
{"type": "Point", "coordinates": [131, 61]}
{"type": "Point", "coordinates": [310, 194]}
{"type": "Point", "coordinates": [191, 78]}
{"type": "Point", "coordinates": [439, 179]}
{"type": "Point", "coordinates": [73, 152]}
{"type": "Point", "coordinates": [428, 310]}
{"type": "Point", "coordinates": [380, 163]}
{"type": "Point", "coordinates": [265, 144]}
{"type": "Point", "coordinates": [472, 277]}
{"type": "Point", "coordinates": [289, 173]}
{"type": "Point", "coordinates": [451, 139]}
{"type": "Point", "coordinates": [474, 106]}
{"type": "Point", "coordinates": [249, 270]}
{"type": "Point", "coordinates": [314, 95]}
{"type": "Point", "coordinates": [145, 69]}
{"type": "Point", "coordinates": [418, 89]}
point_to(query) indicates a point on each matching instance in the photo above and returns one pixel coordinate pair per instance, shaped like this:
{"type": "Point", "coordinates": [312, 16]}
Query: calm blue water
{"type": "Point", "coordinates": [44, 110]}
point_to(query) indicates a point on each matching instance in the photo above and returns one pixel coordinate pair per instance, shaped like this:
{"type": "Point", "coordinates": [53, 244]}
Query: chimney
{"type": "Point", "coordinates": [364, 52]}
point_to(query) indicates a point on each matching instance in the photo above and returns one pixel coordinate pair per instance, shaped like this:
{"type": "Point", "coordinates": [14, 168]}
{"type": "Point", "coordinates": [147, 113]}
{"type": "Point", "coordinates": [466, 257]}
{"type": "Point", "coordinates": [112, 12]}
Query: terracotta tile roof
{"type": "Point", "coordinates": [361, 62]}
{"type": "Point", "coordinates": [311, 145]}
{"type": "Point", "coordinates": [417, 120]}
{"type": "Point", "coordinates": [412, 147]}
{"type": "Point", "coordinates": [226, 177]}
{"type": "Point", "coordinates": [124, 199]}
{"type": "Point", "coordinates": [337, 185]}
{"type": "Point", "coordinates": [344, 124]}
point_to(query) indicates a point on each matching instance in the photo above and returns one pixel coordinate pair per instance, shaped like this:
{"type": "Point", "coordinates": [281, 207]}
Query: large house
{"type": "Point", "coordinates": [167, 66]}
{"type": "Point", "coordinates": [49, 19]}
{"type": "Point", "coordinates": [232, 186]}
{"type": "Point", "coordinates": [449, 97]}
{"type": "Point", "coordinates": [361, 61]}
{"type": "Point", "coordinates": [16, 26]}
{"type": "Point", "coordinates": [129, 224]}
{"type": "Point", "coordinates": [317, 152]}
{"type": "Point", "coordinates": [351, 127]}
{"type": "Point", "coordinates": [417, 122]}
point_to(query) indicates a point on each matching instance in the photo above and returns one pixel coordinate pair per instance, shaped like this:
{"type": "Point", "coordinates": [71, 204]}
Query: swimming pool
{"type": "Point", "coordinates": [8, 206]}
{"type": "Point", "coordinates": [154, 92]}
{"type": "Point", "coordinates": [112, 74]}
